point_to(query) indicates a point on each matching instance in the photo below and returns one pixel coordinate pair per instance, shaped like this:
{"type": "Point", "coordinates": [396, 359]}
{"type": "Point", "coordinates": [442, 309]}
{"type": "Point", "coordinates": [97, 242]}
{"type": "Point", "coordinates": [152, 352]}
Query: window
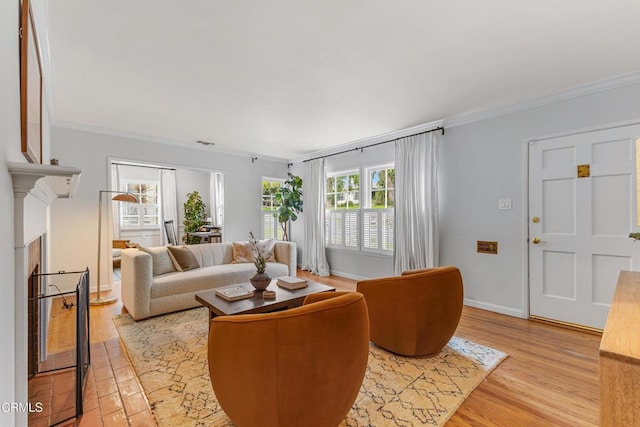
{"type": "Point", "coordinates": [343, 191]}
{"type": "Point", "coordinates": [378, 218]}
{"type": "Point", "coordinates": [145, 213]}
{"type": "Point", "coordinates": [343, 210]}
{"type": "Point", "coordinates": [270, 225]}
{"type": "Point", "coordinates": [356, 222]}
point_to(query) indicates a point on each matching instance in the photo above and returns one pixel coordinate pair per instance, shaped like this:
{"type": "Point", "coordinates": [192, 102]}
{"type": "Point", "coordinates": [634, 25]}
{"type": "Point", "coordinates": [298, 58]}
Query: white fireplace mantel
{"type": "Point", "coordinates": [44, 182]}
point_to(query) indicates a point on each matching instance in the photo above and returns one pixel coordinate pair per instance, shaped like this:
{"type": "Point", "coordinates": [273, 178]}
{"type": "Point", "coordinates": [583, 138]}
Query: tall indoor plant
{"type": "Point", "coordinates": [195, 216]}
{"type": "Point", "coordinates": [289, 202]}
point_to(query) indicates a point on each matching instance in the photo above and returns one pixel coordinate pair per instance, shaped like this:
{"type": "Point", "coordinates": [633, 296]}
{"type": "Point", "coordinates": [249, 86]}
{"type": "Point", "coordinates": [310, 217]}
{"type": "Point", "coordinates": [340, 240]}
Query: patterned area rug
{"type": "Point", "coordinates": [169, 354]}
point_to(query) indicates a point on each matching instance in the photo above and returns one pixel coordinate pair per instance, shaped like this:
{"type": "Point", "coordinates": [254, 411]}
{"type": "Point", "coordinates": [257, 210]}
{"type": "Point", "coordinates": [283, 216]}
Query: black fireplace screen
{"type": "Point", "coordinates": [70, 355]}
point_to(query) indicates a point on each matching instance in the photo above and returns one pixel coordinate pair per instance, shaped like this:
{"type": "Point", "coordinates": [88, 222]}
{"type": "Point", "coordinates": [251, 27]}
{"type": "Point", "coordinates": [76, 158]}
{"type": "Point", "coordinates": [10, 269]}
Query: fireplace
{"type": "Point", "coordinates": [63, 363]}
{"type": "Point", "coordinates": [35, 186]}
{"type": "Point", "coordinates": [36, 321]}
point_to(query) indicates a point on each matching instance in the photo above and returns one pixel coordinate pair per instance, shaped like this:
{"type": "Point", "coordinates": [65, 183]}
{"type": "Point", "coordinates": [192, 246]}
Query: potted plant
{"type": "Point", "coordinates": [195, 216]}
{"type": "Point", "coordinates": [289, 202]}
{"type": "Point", "coordinates": [261, 279]}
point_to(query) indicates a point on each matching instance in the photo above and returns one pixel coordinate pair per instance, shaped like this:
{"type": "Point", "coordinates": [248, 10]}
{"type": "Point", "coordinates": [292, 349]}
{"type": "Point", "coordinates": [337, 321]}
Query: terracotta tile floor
{"type": "Point", "coordinates": [113, 395]}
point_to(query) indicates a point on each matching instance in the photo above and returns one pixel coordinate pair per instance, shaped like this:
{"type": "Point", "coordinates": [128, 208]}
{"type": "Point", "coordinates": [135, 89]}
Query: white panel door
{"type": "Point", "coordinates": [579, 226]}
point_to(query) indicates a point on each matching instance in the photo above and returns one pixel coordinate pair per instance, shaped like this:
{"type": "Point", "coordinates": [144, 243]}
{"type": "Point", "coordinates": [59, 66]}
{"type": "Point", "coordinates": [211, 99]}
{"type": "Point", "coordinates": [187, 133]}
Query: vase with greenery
{"type": "Point", "coordinates": [261, 279]}
{"type": "Point", "coordinates": [195, 216]}
{"type": "Point", "coordinates": [289, 202]}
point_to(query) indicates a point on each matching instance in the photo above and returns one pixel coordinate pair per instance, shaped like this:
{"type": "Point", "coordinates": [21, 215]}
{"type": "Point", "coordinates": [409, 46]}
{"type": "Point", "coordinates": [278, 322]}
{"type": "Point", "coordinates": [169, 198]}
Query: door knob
{"type": "Point", "coordinates": [535, 240]}
{"type": "Point", "coordinates": [535, 219]}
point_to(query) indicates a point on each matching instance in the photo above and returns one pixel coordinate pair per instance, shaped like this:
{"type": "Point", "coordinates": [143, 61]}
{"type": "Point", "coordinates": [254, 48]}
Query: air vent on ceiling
{"type": "Point", "coordinates": [205, 142]}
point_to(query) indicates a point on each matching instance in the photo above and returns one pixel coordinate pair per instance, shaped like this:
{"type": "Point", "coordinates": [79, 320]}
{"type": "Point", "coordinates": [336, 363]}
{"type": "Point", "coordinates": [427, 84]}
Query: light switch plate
{"type": "Point", "coordinates": [504, 203]}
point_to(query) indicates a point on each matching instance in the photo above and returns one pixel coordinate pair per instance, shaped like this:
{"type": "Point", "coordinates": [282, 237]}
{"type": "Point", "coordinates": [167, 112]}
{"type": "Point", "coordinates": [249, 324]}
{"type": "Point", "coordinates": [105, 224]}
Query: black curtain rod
{"type": "Point", "coordinates": [439, 128]}
{"type": "Point", "coordinates": [142, 166]}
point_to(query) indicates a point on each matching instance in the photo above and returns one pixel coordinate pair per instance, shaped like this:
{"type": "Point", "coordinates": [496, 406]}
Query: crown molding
{"type": "Point", "coordinates": [158, 140]}
{"type": "Point", "coordinates": [575, 92]}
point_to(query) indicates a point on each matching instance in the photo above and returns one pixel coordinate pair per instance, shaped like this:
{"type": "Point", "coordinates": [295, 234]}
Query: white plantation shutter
{"type": "Point", "coordinates": [335, 236]}
{"type": "Point", "coordinates": [386, 231]}
{"type": "Point", "coordinates": [270, 226]}
{"type": "Point", "coordinates": [370, 229]}
{"type": "Point", "coordinates": [377, 230]}
{"type": "Point", "coordinates": [342, 228]}
{"type": "Point", "coordinates": [351, 229]}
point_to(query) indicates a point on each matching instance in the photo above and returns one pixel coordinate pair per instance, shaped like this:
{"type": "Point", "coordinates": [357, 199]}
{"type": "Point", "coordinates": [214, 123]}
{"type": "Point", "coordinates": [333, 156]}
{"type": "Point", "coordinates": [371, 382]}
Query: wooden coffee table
{"type": "Point", "coordinates": [284, 300]}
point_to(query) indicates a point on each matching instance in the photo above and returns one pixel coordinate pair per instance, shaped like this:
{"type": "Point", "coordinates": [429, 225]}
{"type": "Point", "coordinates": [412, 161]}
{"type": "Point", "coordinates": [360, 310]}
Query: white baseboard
{"type": "Point", "coordinates": [495, 308]}
{"type": "Point", "coordinates": [348, 275]}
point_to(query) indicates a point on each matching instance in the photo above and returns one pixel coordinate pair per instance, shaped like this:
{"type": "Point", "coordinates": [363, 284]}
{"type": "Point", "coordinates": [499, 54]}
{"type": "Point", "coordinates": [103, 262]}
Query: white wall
{"type": "Point", "coordinates": [9, 150]}
{"type": "Point", "coordinates": [482, 162]}
{"type": "Point", "coordinates": [74, 221]}
{"type": "Point", "coordinates": [13, 377]}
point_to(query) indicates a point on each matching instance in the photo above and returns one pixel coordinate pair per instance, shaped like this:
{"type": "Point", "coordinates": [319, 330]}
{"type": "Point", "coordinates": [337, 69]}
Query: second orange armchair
{"type": "Point", "coordinates": [414, 314]}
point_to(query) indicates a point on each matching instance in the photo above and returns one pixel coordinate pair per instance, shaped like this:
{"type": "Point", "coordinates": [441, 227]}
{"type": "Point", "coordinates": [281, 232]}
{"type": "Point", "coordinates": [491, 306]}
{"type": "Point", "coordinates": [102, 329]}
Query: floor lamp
{"type": "Point", "coordinates": [120, 196]}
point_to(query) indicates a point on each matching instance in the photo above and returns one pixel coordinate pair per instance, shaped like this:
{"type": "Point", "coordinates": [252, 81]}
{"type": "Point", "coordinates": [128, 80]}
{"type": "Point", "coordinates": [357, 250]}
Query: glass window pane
{"type": "Point", "coordinates": [331, 201]}
{"type": "Point", "coordinates": [377, 199]}
{"type": "Point", "coordinates": [375, 178]}
{"type": "Point", "coordinates": [341, 183]}
{"type": "Point", "coordinates": [354, 182]}
{"type": "Point", "coordinates": [354, 200]}
{"type": "Point", "coordinates": [391, 178]}
{"type": "Point", "coordinates": [390, 198]}
{"type": "Point", "coordinates": [331, 185]}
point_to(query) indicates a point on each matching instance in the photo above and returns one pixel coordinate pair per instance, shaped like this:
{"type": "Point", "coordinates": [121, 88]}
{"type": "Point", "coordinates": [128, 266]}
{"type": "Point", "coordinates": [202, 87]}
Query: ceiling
{"type": "Point", "coordinates": [289, 77]}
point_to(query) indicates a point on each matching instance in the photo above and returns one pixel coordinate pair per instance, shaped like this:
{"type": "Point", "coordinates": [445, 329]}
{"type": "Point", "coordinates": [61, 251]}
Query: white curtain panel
{"type": "Point", "coordinates": [416, 207]}
{"type": "Point", "coordinates": [216, 199]}
{"type": "Point", "coordinates": [314, 257]}
{"type": "Point", "coordinates": [168, 201]}
{"type": "Point", "coordinates": [115, 206]}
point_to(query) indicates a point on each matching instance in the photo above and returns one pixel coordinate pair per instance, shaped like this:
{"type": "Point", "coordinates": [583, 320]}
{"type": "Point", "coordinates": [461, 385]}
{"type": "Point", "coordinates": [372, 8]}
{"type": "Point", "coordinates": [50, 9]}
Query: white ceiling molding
{"type": "Point", "coordinates": [156, 140]}
{"type": "Point", "coordinates": [578, 91]}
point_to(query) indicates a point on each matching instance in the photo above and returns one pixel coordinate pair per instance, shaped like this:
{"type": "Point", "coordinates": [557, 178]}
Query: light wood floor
{"type": "Point", "coordinates": [549, 379]}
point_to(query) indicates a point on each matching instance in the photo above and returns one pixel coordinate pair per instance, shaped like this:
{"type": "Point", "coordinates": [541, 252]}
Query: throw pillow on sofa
{"type": "Point", "coordinates": [162, 263]}
{"type": "Point", "coordinates": [266, 248]}
{"type": "Point", "coordinates": [184, 258]}
{"type": "Point", "coordinates": [242, 252]}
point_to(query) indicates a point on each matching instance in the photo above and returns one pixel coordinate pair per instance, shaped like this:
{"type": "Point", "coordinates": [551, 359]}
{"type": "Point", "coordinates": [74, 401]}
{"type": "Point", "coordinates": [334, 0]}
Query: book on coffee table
{"type": "Point", "coordinates": [291, 283]}
{"type": "Point", "coordinates": [234, 293]}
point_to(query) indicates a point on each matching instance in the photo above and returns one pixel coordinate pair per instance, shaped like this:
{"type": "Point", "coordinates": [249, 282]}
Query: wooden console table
{"type": "Point", "coordinates": [620, 355]}
{"type": "Point", "coordinates": [207, 236]}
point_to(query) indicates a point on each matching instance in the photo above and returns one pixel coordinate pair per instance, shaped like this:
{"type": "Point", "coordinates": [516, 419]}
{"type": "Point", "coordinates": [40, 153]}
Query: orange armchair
{"type": "Point", "coordinates": [414, 314]}
{"type": "Point", "coordinates": [299, 367]}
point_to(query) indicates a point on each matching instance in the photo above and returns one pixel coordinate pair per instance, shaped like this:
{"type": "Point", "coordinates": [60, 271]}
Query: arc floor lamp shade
{"type": "Point", "coordinates": [120, 196]}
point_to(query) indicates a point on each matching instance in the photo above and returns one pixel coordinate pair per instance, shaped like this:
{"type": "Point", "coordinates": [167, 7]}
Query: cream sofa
{"type": "Point", "coordinates": [145, 295]}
